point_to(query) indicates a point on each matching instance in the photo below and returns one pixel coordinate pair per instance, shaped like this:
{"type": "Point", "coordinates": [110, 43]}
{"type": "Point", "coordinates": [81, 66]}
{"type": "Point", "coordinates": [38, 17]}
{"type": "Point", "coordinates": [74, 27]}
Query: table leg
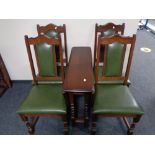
{"type": "Point", "coordinates": [86, 117]}
{"type": "Point", "coordinates": [72, 106]}
{"type": "Point", "coordinates": [76, 106]}
{"type": "Point", "coordinates": [88, 107]}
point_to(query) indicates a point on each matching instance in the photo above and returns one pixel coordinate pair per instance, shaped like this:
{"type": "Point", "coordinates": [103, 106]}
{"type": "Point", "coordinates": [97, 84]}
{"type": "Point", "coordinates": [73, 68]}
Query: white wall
{"type": "Point", "coordinates": [79, 33]}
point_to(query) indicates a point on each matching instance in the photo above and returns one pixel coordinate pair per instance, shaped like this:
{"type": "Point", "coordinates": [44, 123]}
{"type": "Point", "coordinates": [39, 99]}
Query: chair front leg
{"type": "Point", "coordinates": [66, 127]}
{"type": "Point", "coordinates": [93, 128]}
{"type": "Point", "coordinates": [30, 125]}
{"type": "Point", "coordinates": [132, 126]}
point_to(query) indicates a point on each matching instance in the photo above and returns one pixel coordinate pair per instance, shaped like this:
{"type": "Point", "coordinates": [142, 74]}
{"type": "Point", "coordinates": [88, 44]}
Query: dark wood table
{"type": "Point", "coordinates": [79, 80]}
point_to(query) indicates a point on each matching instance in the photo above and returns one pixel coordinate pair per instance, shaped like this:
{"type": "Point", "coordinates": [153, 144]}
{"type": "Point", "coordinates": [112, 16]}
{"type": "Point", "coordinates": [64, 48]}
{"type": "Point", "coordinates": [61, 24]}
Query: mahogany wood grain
{"type": "Point", "coordinates": [79, 76]}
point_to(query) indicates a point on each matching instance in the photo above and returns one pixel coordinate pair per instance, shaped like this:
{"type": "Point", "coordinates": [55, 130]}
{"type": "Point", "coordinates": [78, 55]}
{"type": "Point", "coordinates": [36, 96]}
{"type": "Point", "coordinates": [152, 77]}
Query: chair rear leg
{"type": "Point", "coordinates": [132, 126]}
{"type": "Point", "coordinates": [66, 127]}
{"type": "Point", "coordinates": [30, 125]}
{"type": "Point", "coordinates": [93, 129]}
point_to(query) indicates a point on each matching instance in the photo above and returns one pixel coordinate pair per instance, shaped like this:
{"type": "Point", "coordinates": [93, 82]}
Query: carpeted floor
{"type": "Point", "coordinates": [142, 77]}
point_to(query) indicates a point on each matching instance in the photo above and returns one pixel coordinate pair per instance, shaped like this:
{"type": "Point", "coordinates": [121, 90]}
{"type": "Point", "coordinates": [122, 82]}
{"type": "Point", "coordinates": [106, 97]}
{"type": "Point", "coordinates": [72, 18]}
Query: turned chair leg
{"type": "Point", "coordinates": [66, 127]}
{"type": "Point", "coordinates": [93, 129]}
{"type": "Point", "coordinates": [30, 125]}
{"type": "Point", "coordinates": [132, 126]}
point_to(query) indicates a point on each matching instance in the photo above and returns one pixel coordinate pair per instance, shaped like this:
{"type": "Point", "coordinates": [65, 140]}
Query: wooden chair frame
{"type": "Point", "coordinates": [102, 28]}
{"type": "Point", "coordinates": [31, 119]}
{"type": "Point", "coordinates": [59, 29]}
{"type": "Point", "coordinates": [105, 41]}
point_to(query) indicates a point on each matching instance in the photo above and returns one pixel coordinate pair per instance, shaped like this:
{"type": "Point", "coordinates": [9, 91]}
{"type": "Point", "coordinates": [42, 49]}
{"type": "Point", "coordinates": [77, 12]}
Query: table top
{"type": "Point", "coordinates": [79, 76]}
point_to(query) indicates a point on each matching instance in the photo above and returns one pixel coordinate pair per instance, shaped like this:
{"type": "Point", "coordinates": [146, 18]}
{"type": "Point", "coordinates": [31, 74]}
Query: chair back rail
{"type": "Point", "coordinates": [44, 29]}
{"type": "Point", "coordinates": [117, 28]}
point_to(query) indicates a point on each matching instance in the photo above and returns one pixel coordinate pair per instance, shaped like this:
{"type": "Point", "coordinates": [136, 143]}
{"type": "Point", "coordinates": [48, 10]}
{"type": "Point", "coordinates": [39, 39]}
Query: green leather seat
{"type": "Point", "coordinates": [115, 99]}
{"type": "Point", "coordinates": [44, 99]}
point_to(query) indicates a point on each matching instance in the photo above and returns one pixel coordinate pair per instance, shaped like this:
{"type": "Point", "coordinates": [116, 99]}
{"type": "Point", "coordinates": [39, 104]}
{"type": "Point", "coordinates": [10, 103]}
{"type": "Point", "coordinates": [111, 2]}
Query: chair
{"type": "Point", "coordinates": [112, 97]}
{"type": "Point", "coordinates": [45, 97]}
{"type": "Point", "coordinates": [52, 31]}
{"type": "Point", "coordinates": [106, 30]}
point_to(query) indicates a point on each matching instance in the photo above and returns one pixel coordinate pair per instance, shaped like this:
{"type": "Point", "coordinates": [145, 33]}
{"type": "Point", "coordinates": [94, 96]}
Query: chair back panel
{"type": "Point", "coordinates": [46, 60]}
{"type": "Point", "coordinates": [113, 59]}
{"type": "Point", "coordinates": [54, 34]}
{"type": "Point", "coordinates": [114, 54]}
{"type": "Point", "coordinates": [106, 33]}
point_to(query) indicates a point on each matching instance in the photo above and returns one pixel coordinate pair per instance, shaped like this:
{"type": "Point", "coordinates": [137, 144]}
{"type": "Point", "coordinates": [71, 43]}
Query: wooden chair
{"type": "Point", "coordinates": [106, 30]}
{"type": "Point", "coordinates": [46, 96]}
{"type": "Point", "coordinates": [112, 97]}
{"type": "Point", "coordinates": [52, 31]}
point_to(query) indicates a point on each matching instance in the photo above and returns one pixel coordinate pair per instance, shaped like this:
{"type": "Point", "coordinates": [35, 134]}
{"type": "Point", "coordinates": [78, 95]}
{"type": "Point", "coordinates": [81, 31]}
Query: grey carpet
{"type": "Point", "coordinates": [142, 77]}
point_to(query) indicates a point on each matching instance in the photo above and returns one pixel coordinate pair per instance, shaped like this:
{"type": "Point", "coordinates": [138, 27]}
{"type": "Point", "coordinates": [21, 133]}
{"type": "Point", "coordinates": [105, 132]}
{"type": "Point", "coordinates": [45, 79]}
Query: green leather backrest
{"type": "Point", "coordinates": [45, 54]}
{"type": "Point", "coordinates": [109, 32]}
{"type": "Point", "coordinates": [114, 53]}
{"type": "Point", "coordinates": [52, 34]}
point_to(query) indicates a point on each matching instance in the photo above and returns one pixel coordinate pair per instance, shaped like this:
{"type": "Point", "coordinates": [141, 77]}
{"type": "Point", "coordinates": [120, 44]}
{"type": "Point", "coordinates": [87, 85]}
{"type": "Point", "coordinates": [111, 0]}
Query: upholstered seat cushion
{"type": "Point", "coordinates": [44, 98]}
{"type": "Point", "coordinates": [115, 99]}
